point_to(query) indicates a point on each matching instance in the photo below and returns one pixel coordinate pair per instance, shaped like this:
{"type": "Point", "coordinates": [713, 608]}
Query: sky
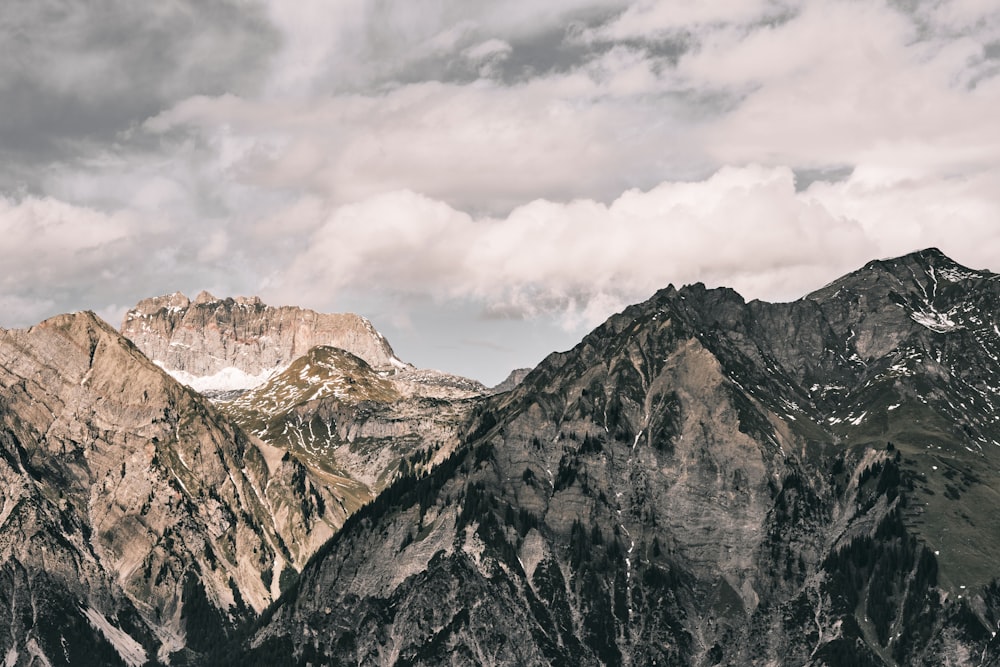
{"type": "Point", "coordinates": [486, 181]}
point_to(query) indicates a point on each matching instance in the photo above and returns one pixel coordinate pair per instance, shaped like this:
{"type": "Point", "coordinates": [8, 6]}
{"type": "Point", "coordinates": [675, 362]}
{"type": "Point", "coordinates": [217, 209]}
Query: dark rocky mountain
{"type": "Point", "coordinates": [701, 481]}
{"type": "Point", "coordinates": [136, 522]}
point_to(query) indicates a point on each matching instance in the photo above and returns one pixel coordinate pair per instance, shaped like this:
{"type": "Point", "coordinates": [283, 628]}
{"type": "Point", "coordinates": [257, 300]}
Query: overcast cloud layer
{"type": "Point", "coordinates": [486, 180]}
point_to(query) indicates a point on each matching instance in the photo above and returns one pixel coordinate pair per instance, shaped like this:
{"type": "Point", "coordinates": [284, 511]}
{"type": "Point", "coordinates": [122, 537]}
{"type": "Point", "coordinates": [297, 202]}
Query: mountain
{"type": "Point", "coordinates": [701, 481]}
{"type": "Point", "coordinates": [137, 522]}
{"type": "Point", "coordinates": [215, 344]}
{"type": "Point", "coordinates": [327, 389]}
{"type": "Point", "coordinates": [511, 381]}
{"type": "Point", "coordinates": [354, 427]}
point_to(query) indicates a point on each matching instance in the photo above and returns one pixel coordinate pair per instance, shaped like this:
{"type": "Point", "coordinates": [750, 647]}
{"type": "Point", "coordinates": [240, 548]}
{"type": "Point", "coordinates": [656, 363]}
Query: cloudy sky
{"type": "Point", "coordinates": [486, 180]}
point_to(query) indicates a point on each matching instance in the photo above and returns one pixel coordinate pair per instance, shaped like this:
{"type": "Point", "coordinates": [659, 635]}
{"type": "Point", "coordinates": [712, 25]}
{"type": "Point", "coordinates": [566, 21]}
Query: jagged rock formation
{"type": "Point", "coordinates": [226, 344]}
{"type": "Point", "coordinates": [701, 481]}
{"type": "Point", "coordinates": [137, 523]}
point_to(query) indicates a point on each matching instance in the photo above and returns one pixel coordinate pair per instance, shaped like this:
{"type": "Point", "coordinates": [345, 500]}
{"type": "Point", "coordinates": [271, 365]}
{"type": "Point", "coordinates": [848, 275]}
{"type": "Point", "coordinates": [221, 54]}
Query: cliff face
{"type": "Point", "coordinates": [221, 344]}
{"type": "Point", "coordinates": [325, 389]}
{"type": "Point", "coordinates": [700, 481]}
{"type": "Point", "coordinates": [136, 521]}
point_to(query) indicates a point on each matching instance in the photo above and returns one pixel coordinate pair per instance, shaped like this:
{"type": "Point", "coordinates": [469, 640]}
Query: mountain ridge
{"type": "Point", "coordinates": [137, 522]}
{"type": "Point", "coordinates": [236, 343]}
{"type": "Point", "coordinates": [702, 480]}
{"type": "Point", "coordinates": [685, 487]}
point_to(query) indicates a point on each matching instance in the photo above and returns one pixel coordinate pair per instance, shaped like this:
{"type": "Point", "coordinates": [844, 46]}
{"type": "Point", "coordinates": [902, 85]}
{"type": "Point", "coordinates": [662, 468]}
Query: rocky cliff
{"type": "Point", "coordinates": [137, 523]}
{"type": "Point", "coordinates": [701, 481]}
{"type": "Point", "coordinates": [327, 389]}
{"type": "Point", "coordinates": [224, 344]}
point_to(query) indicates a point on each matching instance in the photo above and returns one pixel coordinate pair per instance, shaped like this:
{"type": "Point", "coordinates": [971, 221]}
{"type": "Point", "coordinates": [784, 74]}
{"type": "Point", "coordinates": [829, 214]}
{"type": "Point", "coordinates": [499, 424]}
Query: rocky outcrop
{"type": "Point", "coordinates": [701, 481]}
{"type": "Point", "coordinates": [223, 344]}
{"type": "Point", "coordinates": [137, 522]}
{"type": "Point", "coordinates": [353, 426]}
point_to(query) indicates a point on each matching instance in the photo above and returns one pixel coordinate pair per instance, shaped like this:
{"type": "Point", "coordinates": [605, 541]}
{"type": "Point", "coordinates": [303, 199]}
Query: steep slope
{"type": "Point", "coordinates": [136, 522]}
{"type": "Point", "coordinates": [215, 344]}
{"type": "Point", "coordinates": [326, 389]}
{"type": "Point", "coordinates": [700, 481]}
{"type": "Point", "coordinates": [355, 428]}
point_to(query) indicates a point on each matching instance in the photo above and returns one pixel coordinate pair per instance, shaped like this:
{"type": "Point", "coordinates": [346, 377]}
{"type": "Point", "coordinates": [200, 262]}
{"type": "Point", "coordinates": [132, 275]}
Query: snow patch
{"type": "Point", "coordinates": [954, 274]}
{"type": "Point", "coordinates": [228, 379]}
{"type": "Point", "coordinates": [935, 321]}
{"type": "Point", "coordinates": [128, 648]}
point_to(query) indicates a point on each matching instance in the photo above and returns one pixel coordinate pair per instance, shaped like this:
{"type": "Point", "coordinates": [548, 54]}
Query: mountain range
{"type": "Point", "coordinates": [702, 480]}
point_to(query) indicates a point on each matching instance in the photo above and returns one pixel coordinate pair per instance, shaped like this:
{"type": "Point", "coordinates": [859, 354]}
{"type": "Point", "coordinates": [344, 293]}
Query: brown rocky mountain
{"type": "Point", "coordinates": [701, 481]}
{"type": "Point", "coordinates": [224, 344]}
{"type": "Point", "coordinates": [357, 428]}
{"type": "Point", "coordinates": [513, 379]}
{"type": "Point", "coordinates": [137, 523]}
{"type": "Point", "coordinates": [348, 409]}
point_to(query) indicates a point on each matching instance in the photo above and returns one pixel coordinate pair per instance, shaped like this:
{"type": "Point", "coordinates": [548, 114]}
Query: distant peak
{"type": "Point", "coordinates": [175, 301]}
{"type": "Point", "coordinates": [204, 297]}
{"type": "Point", "coordinates": [929, 257]}
{"type": "Point", "coordinates": [929, 260]}
{"type": "Point", "coordinates": [932, 253]}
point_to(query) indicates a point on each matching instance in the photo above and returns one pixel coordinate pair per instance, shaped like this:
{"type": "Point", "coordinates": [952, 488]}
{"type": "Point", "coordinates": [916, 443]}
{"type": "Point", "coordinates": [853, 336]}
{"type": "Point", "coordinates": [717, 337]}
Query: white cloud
{"type": "Point", "coordinates": [557, 158]}
{"type": "Point", "coordinates": [850, 83]}
{"type": "Point", "coordinates": [584, 259]}
{"type": "Point", "coordinates": [651, 19]}
{"type": "Point", "coordinates": [484, 145]}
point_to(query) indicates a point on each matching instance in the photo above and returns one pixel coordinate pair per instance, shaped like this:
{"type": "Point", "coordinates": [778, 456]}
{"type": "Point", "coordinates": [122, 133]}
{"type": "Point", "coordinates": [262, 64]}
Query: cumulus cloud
{"type": "Point", "coordinates": [74, 75]}
{"type": "Point", "coordinates": [554, 159]}
{"type": "Point", "coordinates": [584, 259]}
{"type": "Point", "coordinates": [748, 227]}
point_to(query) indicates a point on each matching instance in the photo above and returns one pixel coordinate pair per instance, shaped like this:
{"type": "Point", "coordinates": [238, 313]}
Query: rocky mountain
{"type": "Point", "coordinates": [701, 481]}
{"type": "Point", "coordinates": [215, 344]}
{"type": "Point", "coordinates": [137, 523]}
{"type": "Point", "coordinates": [325, 387]}
{"type": "Point", "coordinates": [515, 378]}
{"type": "Point", "coordinates": [354, 427]}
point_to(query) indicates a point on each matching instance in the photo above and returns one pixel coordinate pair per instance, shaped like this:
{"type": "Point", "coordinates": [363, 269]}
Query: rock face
{"type": "Point", "coordinates": [137, 523]}
{"type": "Point", "coordinates": [354, 427]}
{"type": "Point", "coordinates": [327, 389]}
{"type": "Point", "coordinates": [701, 481]}
{"type": "Point", "coordinates": [224, 344]}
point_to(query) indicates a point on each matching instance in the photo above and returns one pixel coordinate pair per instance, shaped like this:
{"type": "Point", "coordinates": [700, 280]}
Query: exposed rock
{"type": "Point", "coordinates": [136, 521]}
{"type": "Point", "coordinates": [354, 427]}
{"type": "Point", "coordinates": [700, 481]}
{"type": "Point", "coordinates": [226, 344]}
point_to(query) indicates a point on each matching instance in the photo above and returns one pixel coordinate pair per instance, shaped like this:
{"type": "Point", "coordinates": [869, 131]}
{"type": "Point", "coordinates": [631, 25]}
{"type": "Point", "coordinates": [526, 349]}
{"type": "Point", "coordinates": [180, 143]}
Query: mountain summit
{"type": "Point", "coordinates": [216, 344]}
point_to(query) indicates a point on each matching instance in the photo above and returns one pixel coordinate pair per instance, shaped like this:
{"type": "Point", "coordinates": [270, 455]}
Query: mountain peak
{"type": "Point", "coordinates": [204, 296]}
{"type": "Point", "coordinates": [225, 344]}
